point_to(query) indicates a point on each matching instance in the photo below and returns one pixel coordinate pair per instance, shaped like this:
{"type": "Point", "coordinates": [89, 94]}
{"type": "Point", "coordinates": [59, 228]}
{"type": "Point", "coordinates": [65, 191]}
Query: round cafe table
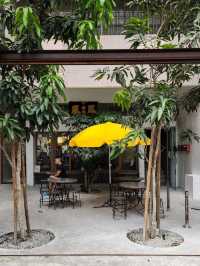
{"type": "Point", "coordinates": [59, 190]}
{"type": "Point", "coordinates": [134, 192]}
{"type": "Point", "coordinates": [59, 180]}
{"type": "Point", "coordinates": [132, 185]}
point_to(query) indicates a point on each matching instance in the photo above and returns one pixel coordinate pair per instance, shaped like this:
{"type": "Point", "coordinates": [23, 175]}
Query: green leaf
{"type": "Point", "coordinates": [46, 103]}
{"type": "Point", "coordinates": [102, 2]}
{"type": "Point", "coordinates": [49, 91]}
{"type": "Point", "coordinates": [25, 16]}
{"type": "Point", "coordinates": [168, 46]}
{"type": "Point", "coordinates": [160, 113]}
{"type": "Point", "coordinates": [123, 99]}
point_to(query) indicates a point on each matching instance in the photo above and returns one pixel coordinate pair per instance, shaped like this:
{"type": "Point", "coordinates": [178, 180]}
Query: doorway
{"type": "Point", "coordinates": [168, 156]}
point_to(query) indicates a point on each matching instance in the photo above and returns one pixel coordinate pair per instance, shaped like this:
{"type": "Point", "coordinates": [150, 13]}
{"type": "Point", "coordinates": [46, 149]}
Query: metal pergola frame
{"type": "Point", "coordinates": [103, 57]}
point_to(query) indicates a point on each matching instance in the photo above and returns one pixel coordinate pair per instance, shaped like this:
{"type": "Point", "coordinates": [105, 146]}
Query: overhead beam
{"type": "Point", "coordinates": [103, 57]}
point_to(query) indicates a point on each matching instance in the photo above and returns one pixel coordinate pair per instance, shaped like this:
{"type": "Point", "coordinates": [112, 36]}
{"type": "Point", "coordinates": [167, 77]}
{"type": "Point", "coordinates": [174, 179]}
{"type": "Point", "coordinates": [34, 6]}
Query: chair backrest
{"type": "Point", "coordinates": [44, 186]}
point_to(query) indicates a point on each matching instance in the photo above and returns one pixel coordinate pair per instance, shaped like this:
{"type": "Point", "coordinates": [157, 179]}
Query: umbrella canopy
{"type": "Point", "coordinates": [105, 133]}
{"type": "Point", "coordinates": [101, 134]}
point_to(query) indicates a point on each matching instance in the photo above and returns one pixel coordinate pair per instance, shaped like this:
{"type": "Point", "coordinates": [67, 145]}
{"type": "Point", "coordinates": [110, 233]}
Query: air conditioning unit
{"type": "Point", "coordinates": [192, 184]}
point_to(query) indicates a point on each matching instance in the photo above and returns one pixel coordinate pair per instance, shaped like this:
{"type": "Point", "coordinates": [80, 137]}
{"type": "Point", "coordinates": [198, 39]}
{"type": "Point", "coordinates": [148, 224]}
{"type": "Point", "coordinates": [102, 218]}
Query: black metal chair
{"type": "Point", "coordinates": [119, 206]}
{"type": "Point", "coordinates": [162, 210]}
{"type": "Point", "coordinates": [44, 192]}
{"type": "Point", "coordinates": [74, 196]}
{"type": "Point", "coordinates": [56, 196]}
{"type": "Point", "coordinates": [76, 199]}
{"type": "Point", "coordinates": [66, 194]}
{"type": "Point", "coordinates": [119, 202]}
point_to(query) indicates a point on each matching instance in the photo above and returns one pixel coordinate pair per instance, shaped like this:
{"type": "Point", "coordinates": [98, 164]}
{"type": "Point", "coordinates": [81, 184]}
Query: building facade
{"type": "Point", "coordinates": [81, 87]}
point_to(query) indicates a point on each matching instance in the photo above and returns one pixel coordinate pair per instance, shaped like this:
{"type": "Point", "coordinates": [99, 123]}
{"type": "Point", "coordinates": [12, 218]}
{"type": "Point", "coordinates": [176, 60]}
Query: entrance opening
{"type": "Point", "coordinates": [168, 156]}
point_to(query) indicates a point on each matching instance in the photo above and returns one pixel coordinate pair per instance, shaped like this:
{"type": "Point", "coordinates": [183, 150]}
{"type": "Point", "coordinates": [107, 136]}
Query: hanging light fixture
{"type": "Point", "coordinates": [61, 140]}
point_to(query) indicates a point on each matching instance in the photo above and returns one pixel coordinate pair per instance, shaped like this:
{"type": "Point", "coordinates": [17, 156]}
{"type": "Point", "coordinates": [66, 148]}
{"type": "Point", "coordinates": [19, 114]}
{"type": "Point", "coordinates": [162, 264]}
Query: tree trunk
{"type": "Point", "coordinates": [168, 176]}
{"type": "Point", "coordinates": [148, 185]}
{"type": "Point", "coordinates": [14, 188]}
{"type": "Point", "coordinates": [151, 196]}
{"type": "Point", "coordinates": [153, 225]}
{"type": "Point", "coordinates": [155, 186]}
{"type": "Point", "coordinates": [20, 220]}
{"type": "Point", "coordinates": [53, 153]}
{"type": "Point", "coordinates": [24, 188]}
{"type": "Point", "coordinates": [158, 173]}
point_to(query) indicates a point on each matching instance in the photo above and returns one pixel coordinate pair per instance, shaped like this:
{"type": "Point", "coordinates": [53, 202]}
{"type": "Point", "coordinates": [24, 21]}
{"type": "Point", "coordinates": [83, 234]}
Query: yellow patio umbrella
{"type": "Point", "coordinates": [104, 134]}
{"type": "Point", "coordinates": [101, 134]}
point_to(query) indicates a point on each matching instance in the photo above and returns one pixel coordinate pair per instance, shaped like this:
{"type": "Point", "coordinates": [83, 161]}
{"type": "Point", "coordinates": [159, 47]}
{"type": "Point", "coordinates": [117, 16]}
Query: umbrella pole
{"type": "Point", "coordinates": [108, 203]}
{"type": "Point", "coordinates": [110, 176]}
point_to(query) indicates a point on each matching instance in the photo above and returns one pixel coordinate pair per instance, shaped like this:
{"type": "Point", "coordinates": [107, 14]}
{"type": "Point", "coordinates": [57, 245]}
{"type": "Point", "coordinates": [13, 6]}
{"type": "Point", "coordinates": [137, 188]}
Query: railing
{"type": "Point", "coordinates": [120, 19]}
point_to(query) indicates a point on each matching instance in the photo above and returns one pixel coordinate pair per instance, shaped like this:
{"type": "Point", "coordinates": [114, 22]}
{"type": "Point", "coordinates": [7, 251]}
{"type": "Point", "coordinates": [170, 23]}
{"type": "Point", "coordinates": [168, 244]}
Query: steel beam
{"type": "Point", "coordinates": [103, 57]}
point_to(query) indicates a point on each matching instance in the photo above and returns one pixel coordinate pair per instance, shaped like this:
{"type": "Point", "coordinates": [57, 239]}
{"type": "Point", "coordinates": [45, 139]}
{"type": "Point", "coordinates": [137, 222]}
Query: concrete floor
{"type": "Point", "coordinates": [89, 230]}
{"type": "Point", "coordinates": [99, 261]}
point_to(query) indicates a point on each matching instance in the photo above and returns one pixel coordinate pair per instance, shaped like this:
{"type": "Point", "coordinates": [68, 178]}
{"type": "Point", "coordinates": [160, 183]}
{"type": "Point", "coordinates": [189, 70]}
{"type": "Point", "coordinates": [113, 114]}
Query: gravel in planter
{"type": "Point", "coordinates": [38, 238]}
{"type": "Point", "coordinates": [164, 239]}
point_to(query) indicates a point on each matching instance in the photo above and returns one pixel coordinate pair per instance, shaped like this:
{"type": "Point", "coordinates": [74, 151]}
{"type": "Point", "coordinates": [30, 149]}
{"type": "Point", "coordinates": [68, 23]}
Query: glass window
{"type": "Point", "coordinates": [47, 148]}
{"type": "Point", "coordinates": [130, 160]}
{"type": "Point", "coordinates": [43, 149]}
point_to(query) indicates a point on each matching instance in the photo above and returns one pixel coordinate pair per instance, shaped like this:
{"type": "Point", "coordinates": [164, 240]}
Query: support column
{"type": "Point", "coordinates": [1, 161]}
{"type": "Point", "coordinates": [141, 163]}
{"type": "Point", "coordinates": [30, 162]}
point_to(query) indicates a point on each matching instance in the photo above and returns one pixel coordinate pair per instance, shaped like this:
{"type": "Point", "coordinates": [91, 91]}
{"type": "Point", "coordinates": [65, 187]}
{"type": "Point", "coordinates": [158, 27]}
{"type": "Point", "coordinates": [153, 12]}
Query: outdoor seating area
{"type": "Point", "coordinates": [99, 128]}
{"type": "Point", "coordinates": [89, 230]}
{"type": "Point", "coordinates": [58, 187]}
{"type": "Point", "coordinates": [125, 196]}
{"type": "Point", "coordinates": [65, 192]}
{"type": "Point", "coordinates": [59, 192]}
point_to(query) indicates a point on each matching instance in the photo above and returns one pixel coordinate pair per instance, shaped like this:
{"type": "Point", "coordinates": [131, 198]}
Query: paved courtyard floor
{"type": "Point", "coordinates": [89, 230]}
{"type": "Point", "coordinates": [99, 261]}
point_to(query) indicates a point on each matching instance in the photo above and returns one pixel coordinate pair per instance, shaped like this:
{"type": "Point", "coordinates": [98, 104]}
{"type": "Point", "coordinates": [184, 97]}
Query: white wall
{"type": "Point", "coordinates": [30, 161]}
{"type": "Point", "coordinates": [141, 163]}
{"type": "Point", "coordinates": [107, 41]}
{"type": "Point", "coordinates": [189, 163]}
{"type": "Point", "coordinates": [101, 95]}
{"type": "Point", "coordinates": [80, 76]}
{"type": "Point", "coordinates": [81, 87]}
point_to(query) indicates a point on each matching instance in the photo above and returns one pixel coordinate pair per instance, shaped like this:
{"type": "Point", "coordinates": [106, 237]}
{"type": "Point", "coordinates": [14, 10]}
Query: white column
{"type": "Point", "coordinates": [30, 162]}
{"type": "Point", "coordinates": [141, 163]}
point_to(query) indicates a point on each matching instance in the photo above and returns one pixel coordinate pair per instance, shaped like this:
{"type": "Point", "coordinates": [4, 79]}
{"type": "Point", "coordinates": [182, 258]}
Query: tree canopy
{"type": "Point", "coordinates": [28, 23]}
{"type": "Point", "coordinates": [30, 95]}
{"type": "Point", "coordinates": [149, 94]}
